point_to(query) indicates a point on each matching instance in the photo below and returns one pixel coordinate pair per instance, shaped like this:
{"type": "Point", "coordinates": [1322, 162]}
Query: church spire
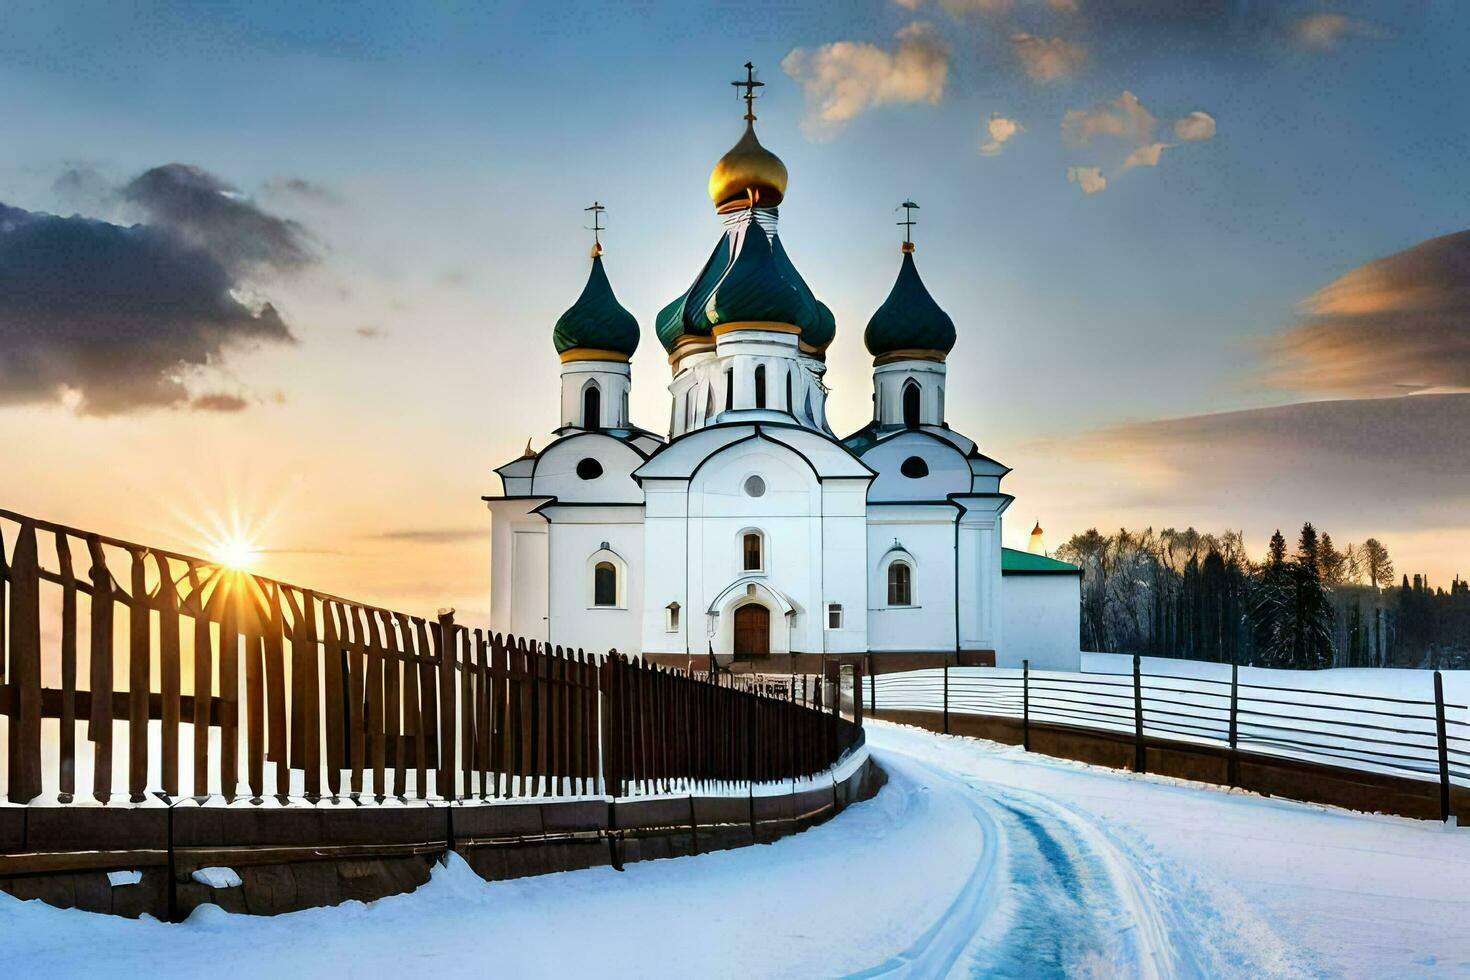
{"type": "Point", "coordinates": [909, 325]}
{"type": "Point", "coordinates": [596, 326]}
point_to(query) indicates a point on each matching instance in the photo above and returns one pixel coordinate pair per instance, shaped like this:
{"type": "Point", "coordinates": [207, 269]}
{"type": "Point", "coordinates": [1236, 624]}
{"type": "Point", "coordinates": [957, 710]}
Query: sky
{"type": "Point", "coordinates": [296, 266]}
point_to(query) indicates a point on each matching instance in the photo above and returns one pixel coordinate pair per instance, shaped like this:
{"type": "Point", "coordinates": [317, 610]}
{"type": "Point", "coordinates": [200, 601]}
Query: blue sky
{"type": "Point", "coordinates": [447, 151]}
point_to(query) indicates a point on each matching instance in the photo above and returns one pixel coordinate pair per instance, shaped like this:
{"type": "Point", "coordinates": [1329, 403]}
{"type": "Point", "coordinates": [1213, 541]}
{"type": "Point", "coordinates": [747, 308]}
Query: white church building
{"type": "Point", "coordinates": [751, 531]}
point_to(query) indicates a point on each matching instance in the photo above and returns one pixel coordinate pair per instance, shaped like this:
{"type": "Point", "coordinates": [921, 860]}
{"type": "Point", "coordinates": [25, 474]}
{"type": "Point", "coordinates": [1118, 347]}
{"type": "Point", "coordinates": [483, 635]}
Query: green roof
{"type": "Point", "coordinates": [909, 319]}
{"type": "Point", "coordinates": [597, 320]}
{"type": "Point", "coordinates": [1016, 562]}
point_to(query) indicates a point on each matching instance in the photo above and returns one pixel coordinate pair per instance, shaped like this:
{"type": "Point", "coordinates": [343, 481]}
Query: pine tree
{"type": "Point", "coordinates": [1270, 606]}
{"type": "Point", "coordinates": [1311, 621]}
{"type": "Point", "coordinates": [1333, 562]}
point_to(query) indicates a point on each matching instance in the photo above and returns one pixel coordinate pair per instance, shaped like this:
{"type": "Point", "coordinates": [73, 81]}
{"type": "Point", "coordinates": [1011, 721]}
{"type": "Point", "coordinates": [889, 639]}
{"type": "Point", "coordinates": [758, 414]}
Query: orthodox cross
{"type": "Point", "coordinates": [597, 226]}
{"type": "Point", "coordinates": [908, 222]}
{"type": "Point", "coordinates": [750, 85]}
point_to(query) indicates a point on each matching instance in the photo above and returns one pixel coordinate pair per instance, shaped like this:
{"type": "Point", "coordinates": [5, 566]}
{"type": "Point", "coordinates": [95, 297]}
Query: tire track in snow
{"type": "Point", "coordinates": [1055, 892]}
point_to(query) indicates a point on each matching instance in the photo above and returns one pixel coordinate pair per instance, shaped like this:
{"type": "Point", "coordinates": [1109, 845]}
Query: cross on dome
{"type": "Point", "coordinates": [750, 85]}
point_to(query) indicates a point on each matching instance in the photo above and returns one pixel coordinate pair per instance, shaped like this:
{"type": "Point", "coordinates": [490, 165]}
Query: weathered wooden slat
{"type": "Point", "coordinates": [356, 693]}
{"type": "Point", "coordinates": [482, 710]}
{"type": "Point", "coordinates": [467, 717]}
{"type": "Point", "coordinates": [373, 679]}
{"type": "Point", "coordinates": [233, 603]}
{"type": "Point", "coordinates": [499, 756]}
{"type": "Point", "coordinates": [277, 750]}
{"type": "Point", "coordinates": [25, 668]}
{"type": "Point", "coordinates": [413, 722]}
{"type": "Point", "coordinates": [428, 700]}
{"type": "Point", "coordinates": [203, 690]}
{"type": "Point", "coordinates": [140, 655]}
{"type": "Point", "coordinates": [446, 648]}
{"type": "Point", "coordinates": [169, 681]}
{"type": "Point", "coordinates": [392, 701]}
{"type": "Point", "coordinates": [526, 666]}
{"type": "Point", "coordinates": [334, 698]}
{"type": "Point", "coordinates": [67, 756]}
{"type": "Point", "coordinates": [99, 721]}
{"type": "Point", "coordinates": [4, 602]}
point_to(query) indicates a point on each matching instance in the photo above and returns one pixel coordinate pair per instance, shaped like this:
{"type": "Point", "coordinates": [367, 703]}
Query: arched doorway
{"type": "Point", "coordinates": [752, 631]}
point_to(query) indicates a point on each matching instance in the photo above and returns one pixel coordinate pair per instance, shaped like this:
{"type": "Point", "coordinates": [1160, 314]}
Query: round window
{"type": "Point", "coordinates": [755, 486]}
{"type": "Point", "coordinates": [914, 468]}
{"type": "Point", "coordinates": [589, 469]}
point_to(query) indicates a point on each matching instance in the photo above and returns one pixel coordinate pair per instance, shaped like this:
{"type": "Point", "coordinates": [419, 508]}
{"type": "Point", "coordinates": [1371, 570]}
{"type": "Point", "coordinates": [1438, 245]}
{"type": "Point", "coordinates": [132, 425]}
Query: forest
{"type": "Point", "coordinates": [1307, 605]}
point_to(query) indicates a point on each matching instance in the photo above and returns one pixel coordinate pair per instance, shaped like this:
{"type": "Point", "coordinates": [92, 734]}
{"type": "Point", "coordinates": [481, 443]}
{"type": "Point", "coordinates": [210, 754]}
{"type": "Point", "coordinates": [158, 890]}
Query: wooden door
{"type": "Point", "coordinates": [752, 631]}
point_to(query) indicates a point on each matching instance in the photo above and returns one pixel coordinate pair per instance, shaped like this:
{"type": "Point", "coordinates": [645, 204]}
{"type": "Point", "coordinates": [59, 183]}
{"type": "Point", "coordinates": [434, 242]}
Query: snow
{"type": "Point", "coordinates": [116, 878]}
{"type": "Point", "coordinates": [975, 859]}
{"type": "Point", "coordinates": [217, 877]}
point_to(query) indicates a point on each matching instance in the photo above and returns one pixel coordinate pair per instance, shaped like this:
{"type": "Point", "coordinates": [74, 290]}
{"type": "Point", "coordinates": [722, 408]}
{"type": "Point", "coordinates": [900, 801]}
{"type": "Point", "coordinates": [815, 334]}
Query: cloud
{"type": "Point", "coordinates": [1334, 461]}
{"type": "Point", "coordinates": [1090, 179]}
{"type": "Point", "coordinates": [205, 211]}
{"type": "Point", "coordinates": [1395, 323]}
{"type": "Point", "coordinates": [1124, 117]}
{"type": "Point", "coordinates": [370, 332]}
{"type": "Point", "coordinates": [1001, 130]}
{"type": "Point", "coordinates": [300, 189]}
{"type": "Point", "coordinates": [108, 318]}
{"type": "Point", "coordinates": [218, 401]}
{"type": "Point", "coordinates": [1047, 59]}
{"type": "Point", "coordinates": [1146, 155]}
{"type": "Point", "coordinates": [1325, 31]}
{"type": "Point", "coordinates": [843, 79]}
{"type": "Point", "coordinates": [1195, 127]}
{"type": "Point", "coordinates": [432, 535]}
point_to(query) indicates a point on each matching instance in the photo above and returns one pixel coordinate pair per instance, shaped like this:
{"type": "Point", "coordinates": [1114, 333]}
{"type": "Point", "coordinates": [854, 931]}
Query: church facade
{"type": "Point", "coordinates": [750, 530]}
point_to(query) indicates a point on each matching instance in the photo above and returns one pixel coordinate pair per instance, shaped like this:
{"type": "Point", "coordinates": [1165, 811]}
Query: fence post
{"type": "Point", "coordinates": [1444, 757]}
{"type": "Point", "coordinates": [1139, 754]}
{"type": "Point", "coordinates": [1233, 765]}
{"type": "Point", "coordinates": [946, 694]}
{"type": "Point", "coordinates": [448, 728]}
{"type": "Point", "coordinates": [1026, 705]}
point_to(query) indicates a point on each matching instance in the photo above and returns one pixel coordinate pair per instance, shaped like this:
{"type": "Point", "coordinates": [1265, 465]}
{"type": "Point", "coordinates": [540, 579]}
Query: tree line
{"type": "Point", "coordinates": [1181, 593]}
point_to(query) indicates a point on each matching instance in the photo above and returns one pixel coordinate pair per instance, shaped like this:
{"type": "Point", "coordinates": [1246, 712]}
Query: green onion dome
{"type": "Point", "coordinates": [753, 289]}
{"type": "Point", "coordinates": [909, 322]}
{"type": "Point", "coordinates": [596, 321]}
{"type": "Point", "coordinates": [747, 278]}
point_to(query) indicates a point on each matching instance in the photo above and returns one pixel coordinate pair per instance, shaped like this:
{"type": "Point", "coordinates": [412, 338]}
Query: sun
{"type": "Point", "coordinates": [235, 552]}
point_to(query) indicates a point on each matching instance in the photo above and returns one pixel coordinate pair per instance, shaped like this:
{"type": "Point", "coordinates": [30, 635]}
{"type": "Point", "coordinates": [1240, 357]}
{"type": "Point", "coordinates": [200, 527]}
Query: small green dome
{"type": "Point", "coordinates": [909, 319]}
{"type": "Point", "coordinates": [597, 320]}
{"type": "Point", "coordinates": [753, 288]}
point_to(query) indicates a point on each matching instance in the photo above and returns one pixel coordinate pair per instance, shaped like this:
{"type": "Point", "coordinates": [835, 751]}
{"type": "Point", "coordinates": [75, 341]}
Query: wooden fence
{"type": "Point", "coordinates": [330, 697]}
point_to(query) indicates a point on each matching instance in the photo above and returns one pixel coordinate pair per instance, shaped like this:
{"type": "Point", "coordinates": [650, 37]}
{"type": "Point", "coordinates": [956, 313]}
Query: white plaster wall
{"type": "Point", "coordinates": [575, 537]}
{"type": "Point", "coordinates": [928, 540]}
{"type": "Point", "coordinates": [1043, 621]}
{"type": "Point", "coordinates": [949, 471]}
{"type": "Point", "coordinates": [613, 379]}
{"type": "Point", "coordinates": [556, 470]}
{"type": "Point", "coordinates": [666, 542]}
{"type": "Point", "coordinates": [888, 384]}
{"type": "Point", "coordinates": [981, 618]}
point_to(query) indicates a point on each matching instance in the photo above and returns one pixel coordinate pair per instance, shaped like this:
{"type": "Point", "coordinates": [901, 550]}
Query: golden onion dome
{"type": "Point", "coordinates": [748, 174]}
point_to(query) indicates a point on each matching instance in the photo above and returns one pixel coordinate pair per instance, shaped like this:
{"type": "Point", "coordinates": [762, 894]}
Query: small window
{"type": "Point", "coordinates": [591, 408]}
{"type": "Point", "coordinates": [604, 584]}
{"type": "Point", "coordinates": [760, 386]}
{"type": "Point", "coordinates": [755, 486]}
{"type": "Point", "coordinates": [751, 545]}
{"type": "Point", "coordinates": [914, 468]}
{"type": "Point", "coordinates": [709, 404]}
{"type": "Point", "coordinates": [589, 469]}
{"type": "Point", "coordinates": [911, 405]}
{"type": "Point", "coordinates": [834, 615]}
{"type": "Point", "coordinates": [729, 388]}
{"type": "Point", "coordinates": [790, 406]}
{"type": "Point", "coordinates": [671, 617]}
{"type": "Point", "coordinates": [900, 584]}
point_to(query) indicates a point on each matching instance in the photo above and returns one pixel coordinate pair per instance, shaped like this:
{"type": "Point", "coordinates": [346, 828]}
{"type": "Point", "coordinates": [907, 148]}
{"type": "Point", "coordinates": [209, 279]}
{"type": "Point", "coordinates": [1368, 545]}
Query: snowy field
{"type": "Point", "coordinates": [1379, 719]}
{"type": "Point", "coordinates": [975, 860]}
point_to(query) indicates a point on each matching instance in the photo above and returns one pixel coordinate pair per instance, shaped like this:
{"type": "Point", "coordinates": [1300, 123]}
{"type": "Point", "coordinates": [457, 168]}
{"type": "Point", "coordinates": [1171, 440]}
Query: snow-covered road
{"type": "Point", "coordinates": [976, 859]}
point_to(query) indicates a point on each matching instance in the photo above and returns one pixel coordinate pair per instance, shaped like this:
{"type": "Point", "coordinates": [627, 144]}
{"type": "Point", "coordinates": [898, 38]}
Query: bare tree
{"type": "Point", "coordinates": [1376, 563]}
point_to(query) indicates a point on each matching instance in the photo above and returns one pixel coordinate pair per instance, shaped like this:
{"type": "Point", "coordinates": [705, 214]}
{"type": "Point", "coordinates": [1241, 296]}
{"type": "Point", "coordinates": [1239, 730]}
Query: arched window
{"type": "Point", "coordinates": [808, 408]}
{"type": "Point", "coordinates": [900, 584]}
{"type": "Point", "coordinates": [729, 388]}
{"type": "Point", "coordinates": [604, 584]}
{"type": "Point", "coordinates": [911, 405]}
{"type": "Point", "coordinates": [592, 407]}
{"type": "Point", "coordinates": [750, 544]}
{"type": "Point", "coordinates": [790, 405]}
{"type": "Point", "coordinates": [709, 404]}
{"type": "Point", "coordinates": [760, 386]}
